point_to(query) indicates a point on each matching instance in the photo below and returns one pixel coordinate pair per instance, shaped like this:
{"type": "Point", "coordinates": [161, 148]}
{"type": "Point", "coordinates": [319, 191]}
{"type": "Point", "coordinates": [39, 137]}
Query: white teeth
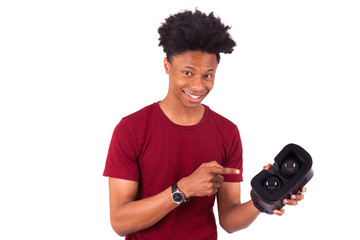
{"type": "Point", "coordinates": [191, 95]}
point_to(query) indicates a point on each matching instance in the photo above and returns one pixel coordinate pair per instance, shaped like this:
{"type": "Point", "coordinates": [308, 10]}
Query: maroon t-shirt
{"type": "Point", "coordinates": [148, 148]}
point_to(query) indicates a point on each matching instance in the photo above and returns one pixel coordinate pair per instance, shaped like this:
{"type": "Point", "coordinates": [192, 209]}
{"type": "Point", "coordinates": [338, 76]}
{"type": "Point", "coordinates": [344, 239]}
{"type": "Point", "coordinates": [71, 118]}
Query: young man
{"type": "Point", "coordinates": [168, 161]}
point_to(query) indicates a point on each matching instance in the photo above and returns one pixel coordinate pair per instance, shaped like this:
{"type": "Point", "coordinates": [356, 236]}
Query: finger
{"type": "Point", "coordinates": [223, 171]}
{"type": "Point", "coordinates": [212, 164]}
{"type": "Point", "coordinates": [290, 202]}
{"type": "Point", "coordinates": [214, 191]}
{"type": "Point", "coordinates": [303, 189]}
{"type": "Point", "coordinates": [297, 197]}
{"type": "Point", "coordinates": [279, 212]}
{"type": "Point", "coordinates": [267, 166]}
{"type": "Point", "coordinates": [216, 185]}
{"type": "Point", "coordinates": [219, 178]}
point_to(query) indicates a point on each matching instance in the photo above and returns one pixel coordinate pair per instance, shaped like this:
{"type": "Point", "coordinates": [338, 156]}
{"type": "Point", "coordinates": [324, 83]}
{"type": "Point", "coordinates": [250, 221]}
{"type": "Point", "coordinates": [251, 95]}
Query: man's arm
{"type": "Point", "coordinates": [127, 215]}
{"type": "Point", "coordinates": [234, 215]}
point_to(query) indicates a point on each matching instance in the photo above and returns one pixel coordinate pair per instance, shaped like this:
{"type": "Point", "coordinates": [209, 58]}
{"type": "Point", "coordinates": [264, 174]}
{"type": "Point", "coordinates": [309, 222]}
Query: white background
{"type": "Point", "coordinates": [70, 70]}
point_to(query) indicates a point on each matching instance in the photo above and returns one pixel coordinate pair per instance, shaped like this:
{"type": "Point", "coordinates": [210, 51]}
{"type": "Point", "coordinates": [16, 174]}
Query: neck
{"type": "Point", "coordinates": [181, 115]}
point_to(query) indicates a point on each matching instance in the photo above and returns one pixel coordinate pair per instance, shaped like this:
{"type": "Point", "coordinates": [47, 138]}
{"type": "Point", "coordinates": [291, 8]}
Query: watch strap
{"type": "Point", "coordinates": [174, 187]}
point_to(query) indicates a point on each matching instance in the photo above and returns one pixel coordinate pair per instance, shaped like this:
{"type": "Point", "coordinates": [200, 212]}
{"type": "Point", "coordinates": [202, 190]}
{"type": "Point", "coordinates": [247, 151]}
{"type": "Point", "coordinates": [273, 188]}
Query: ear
{"type": "Point", "coordinates": [166, 65]}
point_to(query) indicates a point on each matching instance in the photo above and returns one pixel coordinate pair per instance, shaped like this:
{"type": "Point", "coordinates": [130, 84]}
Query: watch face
{"type": "Point", "coordinates": [177, 197]}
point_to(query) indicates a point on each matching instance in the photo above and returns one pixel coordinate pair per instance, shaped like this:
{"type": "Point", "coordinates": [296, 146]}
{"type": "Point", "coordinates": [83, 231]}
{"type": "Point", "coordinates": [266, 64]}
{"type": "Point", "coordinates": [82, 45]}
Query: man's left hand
{"type": "Point", "coordinates": [293, 200]}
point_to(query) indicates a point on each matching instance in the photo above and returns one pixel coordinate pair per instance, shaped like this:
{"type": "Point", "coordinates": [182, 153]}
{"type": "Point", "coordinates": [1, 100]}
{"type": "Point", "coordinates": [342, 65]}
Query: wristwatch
{"type": "Point", "coordinates": [177, 196]}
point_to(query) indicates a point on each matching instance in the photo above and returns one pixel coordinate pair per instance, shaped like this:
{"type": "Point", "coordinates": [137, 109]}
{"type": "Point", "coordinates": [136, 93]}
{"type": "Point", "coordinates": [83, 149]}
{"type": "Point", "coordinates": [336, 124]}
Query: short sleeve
{"type": "Point", "coordinates": [121, 161]}
{"type": "Point", "coordinates": [234, 158]}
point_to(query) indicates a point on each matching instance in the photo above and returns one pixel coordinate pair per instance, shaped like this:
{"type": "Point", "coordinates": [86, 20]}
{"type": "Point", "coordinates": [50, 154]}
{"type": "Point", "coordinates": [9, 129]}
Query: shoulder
{"type": "Point", "coordinates": [140, 115]}
{"type": "Point", "coordinates": [138, 120]}
{"type": "Point", "coordinates": [221, 123]}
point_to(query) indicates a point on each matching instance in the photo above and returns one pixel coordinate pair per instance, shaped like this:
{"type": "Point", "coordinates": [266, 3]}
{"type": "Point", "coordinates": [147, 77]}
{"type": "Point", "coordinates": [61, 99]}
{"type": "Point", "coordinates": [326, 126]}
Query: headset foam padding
{"type": "Point", "coordinates": [289, 173]}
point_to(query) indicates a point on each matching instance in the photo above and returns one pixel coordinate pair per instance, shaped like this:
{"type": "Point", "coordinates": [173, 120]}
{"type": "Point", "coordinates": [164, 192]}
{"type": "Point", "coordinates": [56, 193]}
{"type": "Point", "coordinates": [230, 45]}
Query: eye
{"type": "Point", "coordinates": [208, 76]}
{"type": "Point", "coordinates": [187, 73]}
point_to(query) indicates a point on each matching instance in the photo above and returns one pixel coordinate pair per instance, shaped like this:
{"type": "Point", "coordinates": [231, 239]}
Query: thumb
{"type": "Point", "coordinates": [267, 166]}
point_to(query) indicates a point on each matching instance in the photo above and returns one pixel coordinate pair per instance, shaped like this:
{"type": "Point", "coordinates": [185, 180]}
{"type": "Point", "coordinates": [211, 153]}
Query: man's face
{"type": "Point", "coordinates": [191, 77]}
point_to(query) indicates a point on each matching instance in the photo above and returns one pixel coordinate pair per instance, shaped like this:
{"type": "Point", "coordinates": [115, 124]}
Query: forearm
{"type": "Point", "coordinates": [238, 217]}
{"type": "Point", "coordinates": [137, 215]}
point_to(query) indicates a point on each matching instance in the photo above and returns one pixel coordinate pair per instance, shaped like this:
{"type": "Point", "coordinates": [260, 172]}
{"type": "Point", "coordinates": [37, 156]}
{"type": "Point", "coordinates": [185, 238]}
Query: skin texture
{"type": "Point", "coordinates": [191, 72]}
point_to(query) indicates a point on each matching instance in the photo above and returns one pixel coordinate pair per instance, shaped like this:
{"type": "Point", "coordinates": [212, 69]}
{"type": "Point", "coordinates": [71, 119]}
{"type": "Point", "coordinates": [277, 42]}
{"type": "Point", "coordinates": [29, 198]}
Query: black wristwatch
{"type": "Point", "coordinates": [177, 196]}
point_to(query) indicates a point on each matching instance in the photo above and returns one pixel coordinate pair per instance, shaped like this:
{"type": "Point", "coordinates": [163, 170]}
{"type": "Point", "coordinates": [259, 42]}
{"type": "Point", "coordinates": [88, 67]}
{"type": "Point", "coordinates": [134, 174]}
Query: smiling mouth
{"type": "Point", "coordinates": [193, 97]}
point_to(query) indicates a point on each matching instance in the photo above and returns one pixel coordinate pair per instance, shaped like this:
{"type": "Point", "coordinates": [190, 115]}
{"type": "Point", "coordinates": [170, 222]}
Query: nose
{"type": "Point", "coordinates": [197, 84]}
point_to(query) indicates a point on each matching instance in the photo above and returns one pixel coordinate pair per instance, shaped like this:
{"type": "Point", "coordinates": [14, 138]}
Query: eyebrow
{"type": "Point", "coordinates": [209, 70]}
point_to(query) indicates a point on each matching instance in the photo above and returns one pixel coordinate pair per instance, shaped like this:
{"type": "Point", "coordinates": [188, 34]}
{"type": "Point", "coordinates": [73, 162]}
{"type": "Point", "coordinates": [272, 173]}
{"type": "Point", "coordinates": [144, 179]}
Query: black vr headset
{"type": "Point", "coordinates": [290, 172]}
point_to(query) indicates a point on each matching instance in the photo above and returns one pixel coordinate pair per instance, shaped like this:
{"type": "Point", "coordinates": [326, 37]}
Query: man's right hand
{"type": "Point", "coordinates": [205, 181]}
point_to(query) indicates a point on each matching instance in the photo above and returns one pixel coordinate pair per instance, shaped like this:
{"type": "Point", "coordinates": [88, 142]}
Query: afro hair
{"type": "Point", "coordinates": [195, 31]}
